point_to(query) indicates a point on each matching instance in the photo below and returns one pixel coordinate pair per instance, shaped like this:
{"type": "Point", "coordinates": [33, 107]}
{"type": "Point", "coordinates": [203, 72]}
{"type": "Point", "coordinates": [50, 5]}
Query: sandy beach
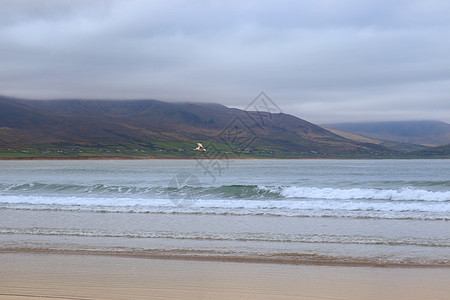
{"type": "Point", "coordinates": [56, 276]}
{"type": "Point", "coordinates": [314, 230]}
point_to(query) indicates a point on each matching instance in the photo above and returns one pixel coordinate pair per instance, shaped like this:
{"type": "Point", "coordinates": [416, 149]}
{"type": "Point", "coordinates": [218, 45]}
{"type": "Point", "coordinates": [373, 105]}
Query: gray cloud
{"type": "Point", "coordinates": [323, 61]}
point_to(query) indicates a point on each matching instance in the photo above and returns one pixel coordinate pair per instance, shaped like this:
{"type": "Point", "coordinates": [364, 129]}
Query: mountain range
{"type": "Point", "coordinates": [152, 128]}
{"type": "Point", "coordinates": [425, 133]}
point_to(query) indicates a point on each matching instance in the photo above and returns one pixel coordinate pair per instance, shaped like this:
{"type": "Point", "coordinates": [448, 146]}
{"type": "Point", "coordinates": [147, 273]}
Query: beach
{"type": "Point", "coordinates": [186, 229]}
{"type": "Point", "coordinates": [56, 276]}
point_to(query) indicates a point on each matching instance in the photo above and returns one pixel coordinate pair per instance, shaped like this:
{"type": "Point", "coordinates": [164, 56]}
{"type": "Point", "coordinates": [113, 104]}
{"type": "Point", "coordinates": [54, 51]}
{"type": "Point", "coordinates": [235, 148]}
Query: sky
{"type": "Point", "coordinates": [324, 61]}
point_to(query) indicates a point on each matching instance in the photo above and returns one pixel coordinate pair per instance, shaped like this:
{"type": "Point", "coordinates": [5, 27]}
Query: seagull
{"type": "Point", "coordinates": [200, 147]}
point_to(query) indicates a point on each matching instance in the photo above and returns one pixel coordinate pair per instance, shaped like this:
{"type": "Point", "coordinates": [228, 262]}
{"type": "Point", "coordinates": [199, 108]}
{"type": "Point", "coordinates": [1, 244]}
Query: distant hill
{"type": "Point", "coordinates": [433, 152]}
{"type": "Point", "coordinates": [152, 125]}
{"type": "Point", "coordinates": [398, 146]}
{"type": "Point", "coordinates": [426, 133]}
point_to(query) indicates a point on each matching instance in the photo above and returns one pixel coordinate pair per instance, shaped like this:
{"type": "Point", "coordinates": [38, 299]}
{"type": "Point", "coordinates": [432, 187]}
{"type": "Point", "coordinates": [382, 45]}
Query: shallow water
{"type": "Point", "coordinates": [319, 211]}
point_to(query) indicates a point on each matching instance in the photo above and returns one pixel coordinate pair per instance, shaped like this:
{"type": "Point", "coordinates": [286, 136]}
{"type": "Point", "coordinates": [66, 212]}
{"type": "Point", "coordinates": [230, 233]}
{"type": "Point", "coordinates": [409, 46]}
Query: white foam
{"type": "Point", "coordinates": [83, 201]}
{"type": "Point", "coordinates": [405, 193]}
{"type": "Point", "coordinates": [297, 202]}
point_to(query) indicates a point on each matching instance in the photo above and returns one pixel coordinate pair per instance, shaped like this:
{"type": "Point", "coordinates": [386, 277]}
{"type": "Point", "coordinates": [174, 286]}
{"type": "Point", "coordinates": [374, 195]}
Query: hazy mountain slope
{"type": "Point", "coordinates": [353, 136]}
{"type": "Point", "coordinates": [398, 146]}
{"type": "Point", "coordinates": [146, 122]}
{"type": "Point", "coordinates": [28, 123]}
{"type": "Point", "coordinates": [428, 133]}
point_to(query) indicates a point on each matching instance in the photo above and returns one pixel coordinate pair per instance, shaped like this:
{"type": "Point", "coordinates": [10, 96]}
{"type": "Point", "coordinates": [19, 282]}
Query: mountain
{"type": "Point", "coordinates": [151, 125]}
{"type": "Point", "coordinates": [433, 152]}
{"type": "Point", "coordinates": [426, 133]}
{"type": "Point", "coordinates": [397, 146]}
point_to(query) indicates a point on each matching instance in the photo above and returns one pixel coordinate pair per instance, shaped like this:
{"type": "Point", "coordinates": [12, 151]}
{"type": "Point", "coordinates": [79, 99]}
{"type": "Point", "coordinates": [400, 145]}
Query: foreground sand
{"type": "Point", "coordinates": [57, 276]}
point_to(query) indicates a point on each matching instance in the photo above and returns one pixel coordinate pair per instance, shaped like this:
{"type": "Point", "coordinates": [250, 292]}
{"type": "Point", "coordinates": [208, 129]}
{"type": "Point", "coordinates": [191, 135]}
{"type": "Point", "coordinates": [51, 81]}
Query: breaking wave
{"type": "Point", "coordinates": [227, 192]}
{"type": "Point", "coordinates": [292, 201]}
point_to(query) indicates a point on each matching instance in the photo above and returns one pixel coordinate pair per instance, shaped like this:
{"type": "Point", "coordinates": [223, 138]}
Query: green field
{"type": "Point", "coordinates": [177, 150]}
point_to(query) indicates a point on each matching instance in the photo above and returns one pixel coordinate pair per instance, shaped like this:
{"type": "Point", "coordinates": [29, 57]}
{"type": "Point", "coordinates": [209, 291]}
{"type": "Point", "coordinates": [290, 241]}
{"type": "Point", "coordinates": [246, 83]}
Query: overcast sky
{"type": "Point", "coordinates": [323, 61]}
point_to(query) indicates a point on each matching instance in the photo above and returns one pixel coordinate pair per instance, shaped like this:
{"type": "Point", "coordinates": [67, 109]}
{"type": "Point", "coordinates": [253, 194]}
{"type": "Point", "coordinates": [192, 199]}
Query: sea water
{"type": "Point", "coordinates": [384, 212]}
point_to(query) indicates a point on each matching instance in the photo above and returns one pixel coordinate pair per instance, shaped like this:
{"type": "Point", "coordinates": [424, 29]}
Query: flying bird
{"type": "Point", "coordinates": [200, 147]}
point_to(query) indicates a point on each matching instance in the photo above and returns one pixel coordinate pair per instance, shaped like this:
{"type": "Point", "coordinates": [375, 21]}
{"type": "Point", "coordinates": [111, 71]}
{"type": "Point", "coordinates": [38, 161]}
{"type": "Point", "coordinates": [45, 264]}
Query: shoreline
{"type": "Point", "coordinates": [222, 159]}
{"type": "Point", "coordinates": [28, 276]}
{"type": "Point", "coordinates": [179, 158]}
{"type": "Point", "coordinates": [294, 261]}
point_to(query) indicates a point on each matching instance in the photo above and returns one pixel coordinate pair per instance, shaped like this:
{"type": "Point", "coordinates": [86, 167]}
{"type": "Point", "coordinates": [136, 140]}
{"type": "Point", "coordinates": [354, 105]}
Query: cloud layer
{"type": "Point", "coordinates": [324, 61]}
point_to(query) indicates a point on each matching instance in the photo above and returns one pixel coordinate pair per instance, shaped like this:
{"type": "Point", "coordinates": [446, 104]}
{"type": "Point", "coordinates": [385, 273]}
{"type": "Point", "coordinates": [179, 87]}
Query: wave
{"type": "Point", "coordinates": [287, 207]}
{"type": "Point", "coordinates": [238, 236]}
{"type": "Point", "coordinates": [37, 187]}
{"type": "Point", "coordinates": [407, 193]}
{"type": "Point", "coordinates": [291, 201]}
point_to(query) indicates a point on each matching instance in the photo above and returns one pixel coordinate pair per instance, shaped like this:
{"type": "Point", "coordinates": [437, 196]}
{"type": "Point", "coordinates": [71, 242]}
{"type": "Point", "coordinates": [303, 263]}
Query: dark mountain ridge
{"type": "Point", "coordinates": [151, 122]}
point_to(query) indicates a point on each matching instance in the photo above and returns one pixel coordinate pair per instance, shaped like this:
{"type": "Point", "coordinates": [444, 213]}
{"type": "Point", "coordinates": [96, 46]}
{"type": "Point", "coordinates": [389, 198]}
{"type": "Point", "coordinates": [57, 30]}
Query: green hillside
{"type": "Point", "coordinates": [151, 128]}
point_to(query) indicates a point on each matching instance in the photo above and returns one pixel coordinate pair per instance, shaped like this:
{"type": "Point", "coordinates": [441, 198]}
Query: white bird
{"type": "Point", "coordinates": [200, 147]}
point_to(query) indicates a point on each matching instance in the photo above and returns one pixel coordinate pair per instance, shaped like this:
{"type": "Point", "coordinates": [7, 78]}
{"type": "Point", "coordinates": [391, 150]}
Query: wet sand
{"type": "Point", "coordinates": [58, 276]}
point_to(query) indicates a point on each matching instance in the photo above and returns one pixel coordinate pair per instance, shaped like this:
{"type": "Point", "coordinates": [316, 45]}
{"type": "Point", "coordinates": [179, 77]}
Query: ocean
{"type": "Point", "coordinates": [361, 212]}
